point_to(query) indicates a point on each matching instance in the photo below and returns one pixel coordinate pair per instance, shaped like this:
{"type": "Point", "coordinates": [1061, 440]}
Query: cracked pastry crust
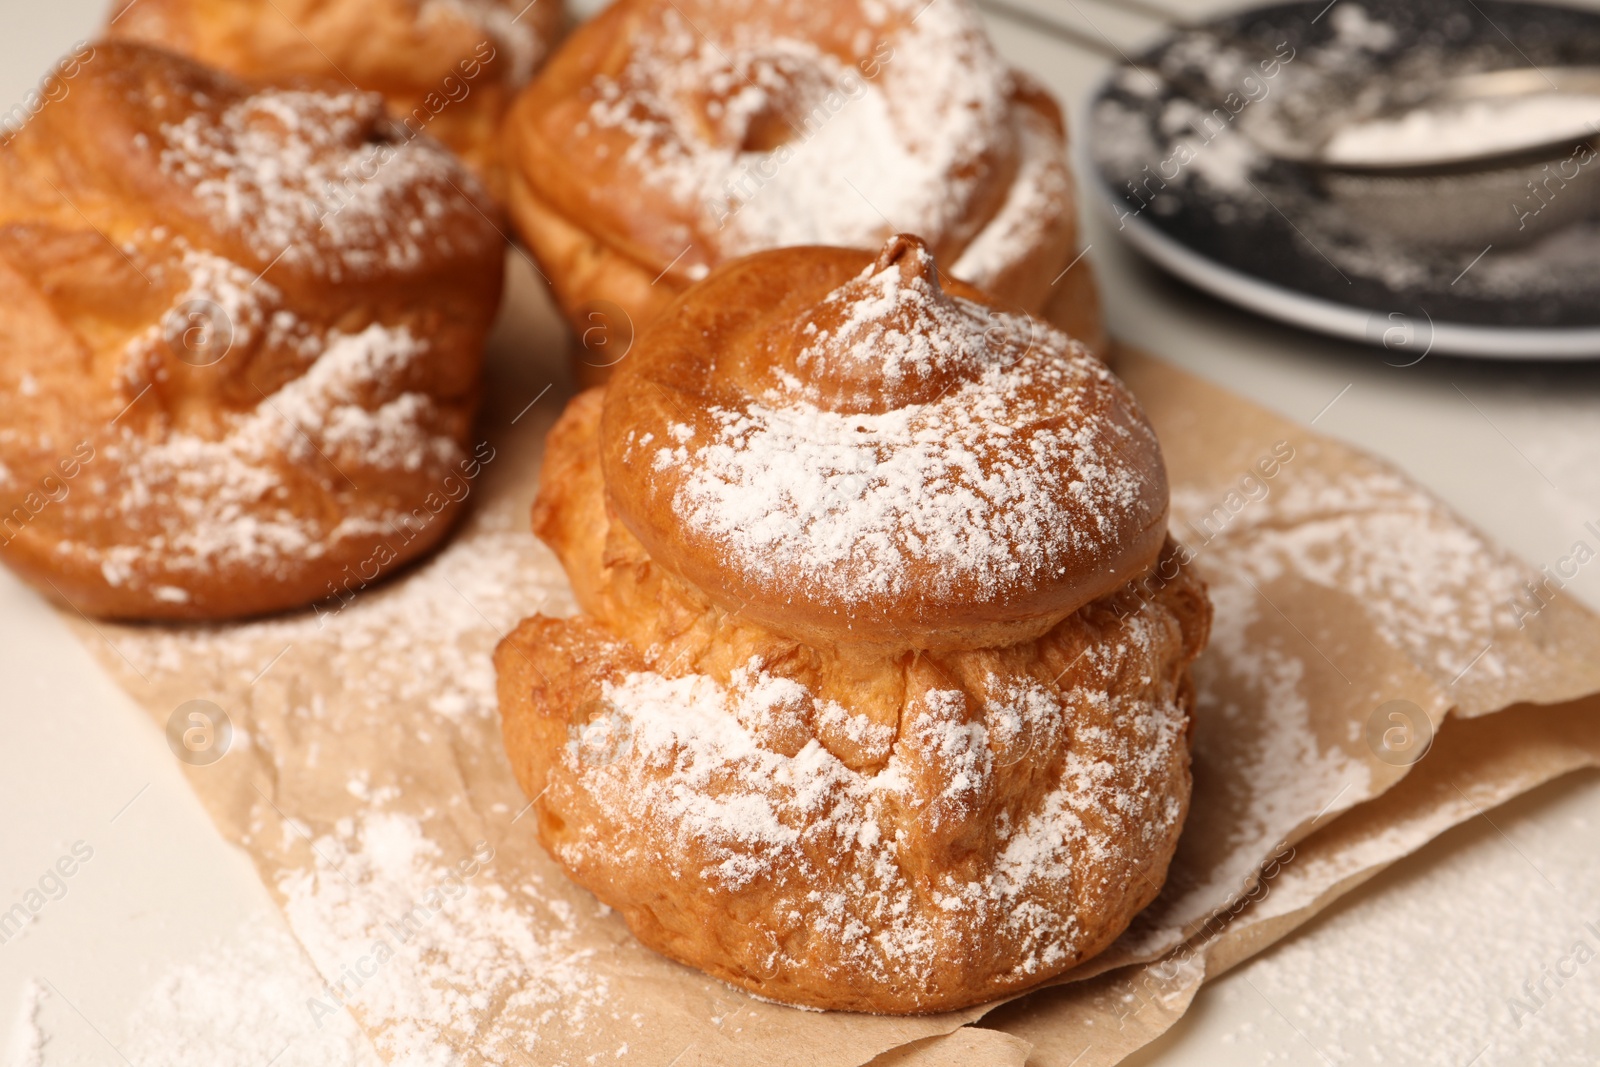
{"type": "Point", "coordinates": [221, 394]}
{"type": "Point", "coordinates": [664, 139]}
{"type": "Point", "coordinates": [843, 820]}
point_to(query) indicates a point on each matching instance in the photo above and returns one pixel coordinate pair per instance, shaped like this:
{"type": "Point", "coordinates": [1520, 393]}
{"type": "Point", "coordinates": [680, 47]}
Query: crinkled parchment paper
{"type": "Point", "coordinates": [1544, 726]}
{"type": "Point", "coordinates": [364, 774]}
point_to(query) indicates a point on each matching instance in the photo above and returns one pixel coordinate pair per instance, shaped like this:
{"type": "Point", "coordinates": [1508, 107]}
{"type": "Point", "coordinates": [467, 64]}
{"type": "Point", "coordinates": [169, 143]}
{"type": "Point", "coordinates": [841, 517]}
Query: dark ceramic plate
{"type": "Point", "coordinates": [1205, 202]}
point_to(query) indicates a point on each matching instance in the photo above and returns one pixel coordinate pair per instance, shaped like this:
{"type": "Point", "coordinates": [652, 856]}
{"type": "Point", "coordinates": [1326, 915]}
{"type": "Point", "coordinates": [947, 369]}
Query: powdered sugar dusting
{"type": "Point", "coordinates": [901, 142]}
{"type": "Point", "coordinates": [1041, 189]}
{"type": "Point", "coordinates": [412, 663]}
{"type": "Point", "coordinates": [1520, 981]}
{"type": "Point", "coordinates": [1432, 587]}
{"type": "Point", "coordinates": [891, 328]}
{"type": "Point", "coordinates": [1004, 480]}
{"type": "Point", "coordinates": [431, 942]}
{"type": "Point", "coordinates": [1434, 593]}
{"type": "Point", "coordinates": [239, 1003]}
{"type": "Point", "coordinates": [244, 1001]}
{"type": "Point", "coordinates": [419, 945]}
{"type": "Point", "coordinates": [195, 502]}
{"type": "Point", "coordinates": [707, 784]}
{"type": "Point", "coordinates": [1256, 716]}
{"type": "Point", "coordinates": [424, 640]}
{"type": "Point", "coordinates": [27, 1043]}
{"type": "Point", "coordinates": [317, 180]}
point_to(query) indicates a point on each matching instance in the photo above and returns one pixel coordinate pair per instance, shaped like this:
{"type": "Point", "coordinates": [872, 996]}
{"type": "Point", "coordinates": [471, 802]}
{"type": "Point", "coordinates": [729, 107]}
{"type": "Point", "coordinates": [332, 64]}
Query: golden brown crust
{"type": "Point", "coordinates": [222, 393]}
{"type": "Point", "coordinates": [845, 449]}
{"type": "Point", "coordinates": [841, 827]}
{"type": "Point", "coordinates": [665, 139]}
{"type": "Point", "coordinates": [450, 68]}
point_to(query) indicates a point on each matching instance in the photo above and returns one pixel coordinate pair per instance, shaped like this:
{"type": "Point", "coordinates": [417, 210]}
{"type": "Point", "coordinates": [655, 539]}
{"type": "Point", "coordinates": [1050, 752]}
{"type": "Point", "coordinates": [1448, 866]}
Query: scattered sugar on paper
{"type": "Point", "coordinates": [424, 945]}
{"type": "Point", "coordinates": [1288, 775]}
{"type": "Point", "coordinates": [470, 941]}
{"type": "Point", "coordinates": [242, 1002]}
{"type": "Point", "coordinates": [425, 638]}
{"type": "Point", "coordinates": [1431, 588]}
{"type": "Point", "coordinates": [26, 1048]}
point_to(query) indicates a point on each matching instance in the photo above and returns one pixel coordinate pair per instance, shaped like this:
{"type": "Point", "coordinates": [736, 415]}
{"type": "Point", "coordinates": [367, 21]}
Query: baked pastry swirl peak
{"type": "Point", "coordinates": [888, 338]}
{"type": "Point", "coordinates": [844, 447]}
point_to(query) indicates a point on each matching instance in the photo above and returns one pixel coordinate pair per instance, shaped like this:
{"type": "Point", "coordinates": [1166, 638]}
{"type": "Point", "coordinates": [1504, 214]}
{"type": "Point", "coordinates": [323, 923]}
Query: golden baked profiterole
{"type": "Point", "coordinates": [666, 137]}
{"type": "Point", "coordinates": [221, 392]}
{"type": "Point", "coordinates": [879, 698]}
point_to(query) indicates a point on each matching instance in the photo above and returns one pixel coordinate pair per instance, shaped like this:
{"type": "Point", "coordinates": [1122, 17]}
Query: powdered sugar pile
{"type": "Point", "coordinates": [1002, 482]}
{"type": "Point", "coordinates": [27, 1038]}
{"type": "Point", "coordinates": [897, 144]}
{"type": "Point", "coordinates": [419, 944]}
{"type": "Point", "coordinates": [302, 176]}
{"type": "Point", "coordinates": [1465, 130]}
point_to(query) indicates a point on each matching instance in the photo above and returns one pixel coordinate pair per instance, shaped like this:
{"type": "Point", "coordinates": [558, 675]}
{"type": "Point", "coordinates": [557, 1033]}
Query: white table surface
{"type": "Point", "coordinates": [1416, 967]}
